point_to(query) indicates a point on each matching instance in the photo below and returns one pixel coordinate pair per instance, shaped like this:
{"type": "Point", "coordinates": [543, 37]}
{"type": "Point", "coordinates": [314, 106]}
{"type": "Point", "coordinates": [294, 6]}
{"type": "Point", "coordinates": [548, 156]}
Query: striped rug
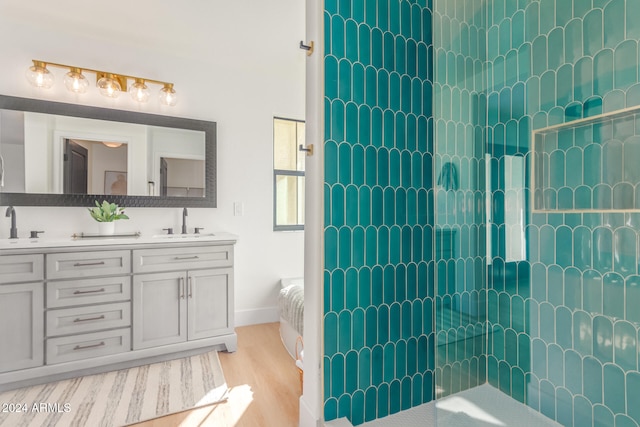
{"type": "Point", "coordinates": [117, 398]}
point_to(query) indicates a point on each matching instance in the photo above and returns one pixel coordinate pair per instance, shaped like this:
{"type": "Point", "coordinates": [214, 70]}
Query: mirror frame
{"type": "Point", "coordinates": [63, 109]}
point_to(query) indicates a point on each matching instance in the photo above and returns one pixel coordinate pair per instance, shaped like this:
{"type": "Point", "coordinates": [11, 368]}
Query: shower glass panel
{"type": "Point", "coordinates": [537, 283]}
{"type": "Point", "coordinates": [459, 176]}
{"type": "Point", "coordinates": [482, 274]}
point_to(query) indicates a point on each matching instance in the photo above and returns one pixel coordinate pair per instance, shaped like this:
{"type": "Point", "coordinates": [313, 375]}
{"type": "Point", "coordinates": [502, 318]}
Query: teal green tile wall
{"type": "Point", "coordinates": [378, 275]}
{"type": "Point", "coordinates": [459, 114]}
{"type": "Point", "coordinates": [562, 323]}
{"type": "Point", "coordinates": [438, 274]}
{"type": "Point", "coordinates": [589, 166]}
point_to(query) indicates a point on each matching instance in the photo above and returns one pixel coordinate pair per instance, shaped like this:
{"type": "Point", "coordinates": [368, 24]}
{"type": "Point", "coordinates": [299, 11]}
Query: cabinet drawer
{"type": "Point", "coordinates": [85, 264]}
{"type": "Point", "coordinates": [90, 291]}
{"type": "Point", "coordinates": [21, 268]}
{"type": "Point", "coordinates": [85, 346]}
{"type": "Point", "coordinates": [154, 260]}
{"type": "Point", "coordinates": [88, 319]}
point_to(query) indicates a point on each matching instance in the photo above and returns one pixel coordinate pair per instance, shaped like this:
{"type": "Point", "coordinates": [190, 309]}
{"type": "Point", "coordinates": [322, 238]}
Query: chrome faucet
{"type": "Point", "coordinates": [11, 212]}
{"type": "Point", "coordinates": [184, 220]}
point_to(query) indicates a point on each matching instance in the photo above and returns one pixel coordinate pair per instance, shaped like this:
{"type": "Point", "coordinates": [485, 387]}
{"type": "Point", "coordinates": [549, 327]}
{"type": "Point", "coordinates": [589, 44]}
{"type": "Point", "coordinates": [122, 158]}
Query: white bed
{"type": "Point", "coordinates": [291, 311]}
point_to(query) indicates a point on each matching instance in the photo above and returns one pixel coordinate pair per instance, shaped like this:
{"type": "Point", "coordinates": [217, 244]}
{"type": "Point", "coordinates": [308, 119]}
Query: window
{"type": "Point", "coordinates": [511, 243]}
{"type": "Point", "coordinates": [514, 209]}
{"type": "Point", "coordinates": [288, 174]}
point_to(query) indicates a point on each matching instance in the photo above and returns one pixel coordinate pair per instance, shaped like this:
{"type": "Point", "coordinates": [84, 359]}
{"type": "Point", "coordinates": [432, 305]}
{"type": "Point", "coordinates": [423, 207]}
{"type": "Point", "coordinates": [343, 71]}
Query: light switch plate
{"type": "Point", "coordinates": [238, 209]}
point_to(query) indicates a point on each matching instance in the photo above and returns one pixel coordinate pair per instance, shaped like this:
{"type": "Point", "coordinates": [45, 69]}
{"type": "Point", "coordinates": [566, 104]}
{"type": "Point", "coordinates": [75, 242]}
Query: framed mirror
{"type": "Point", "coordinates": [58, 154]}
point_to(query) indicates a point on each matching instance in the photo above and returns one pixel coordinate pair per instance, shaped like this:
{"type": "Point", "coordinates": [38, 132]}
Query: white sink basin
{"type": "Point", "coordinates": [193, 237]}
{"type": "Point", "coordinates": [183, 236]}
{"type": "Point", "coordinates": [19, 242]}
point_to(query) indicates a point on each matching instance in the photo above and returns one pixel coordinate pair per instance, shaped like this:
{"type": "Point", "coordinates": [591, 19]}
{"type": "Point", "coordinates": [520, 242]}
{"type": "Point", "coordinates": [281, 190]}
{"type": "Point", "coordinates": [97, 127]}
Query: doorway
{"type": "Point", "coordinates": [75, 168]}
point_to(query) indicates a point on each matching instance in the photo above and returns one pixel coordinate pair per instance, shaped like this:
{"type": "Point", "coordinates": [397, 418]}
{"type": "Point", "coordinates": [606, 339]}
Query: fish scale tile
{"type": "Point", "coordinates": [378, 185]}
{"type": "Point", "coordinates": [583, 267]}
{"type": "Point", "coordinates": [429, 106]}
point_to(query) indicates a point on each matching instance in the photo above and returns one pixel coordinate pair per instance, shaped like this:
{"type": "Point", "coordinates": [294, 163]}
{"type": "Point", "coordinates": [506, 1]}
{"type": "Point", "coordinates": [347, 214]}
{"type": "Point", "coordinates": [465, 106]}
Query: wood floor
{"type": "Point", "coordinates": [263, 381]}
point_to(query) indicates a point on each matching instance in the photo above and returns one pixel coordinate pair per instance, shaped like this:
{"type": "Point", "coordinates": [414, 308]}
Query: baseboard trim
{"type": "Point", "coordinates": [256, 316]}
{"type": "Point", "coordinates": [307, 418]}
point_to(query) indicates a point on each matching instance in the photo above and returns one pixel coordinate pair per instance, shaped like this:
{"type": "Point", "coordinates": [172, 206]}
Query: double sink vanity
{"type": "Point", "coordinates": [76, 306]}
{"type": "Point", "coordinates": [79, 306]}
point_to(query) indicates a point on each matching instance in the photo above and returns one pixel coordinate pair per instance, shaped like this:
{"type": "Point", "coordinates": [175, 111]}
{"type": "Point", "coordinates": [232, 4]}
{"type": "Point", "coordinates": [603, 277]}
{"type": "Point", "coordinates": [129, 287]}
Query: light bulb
{"type": "Point", "coordinates": [75, 81]}
{"type": "Point", "coordinates": [112, 144]}
{"type": "Point", "coordinates": [109, 86]}
{"type": "Point", "coordinates": [39, 76]}
{"type": "Point", "coordinates": [168, 95]}
{"type": "Point", "coordinates": [139, 91]}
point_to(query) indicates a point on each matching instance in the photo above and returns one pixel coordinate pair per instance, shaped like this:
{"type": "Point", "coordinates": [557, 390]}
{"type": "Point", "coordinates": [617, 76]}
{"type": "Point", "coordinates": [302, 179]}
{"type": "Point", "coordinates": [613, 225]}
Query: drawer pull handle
{"type": "Point", "coordinates": [88, 319]}
{"type": "Point", "coordinates": [88, 292]}
{"type": "Point", "coordinates": [180, 258]}
{"type": "Point", "coordinates": [85, 347]}
{"type": "Point", "coordinates": [85, 264]}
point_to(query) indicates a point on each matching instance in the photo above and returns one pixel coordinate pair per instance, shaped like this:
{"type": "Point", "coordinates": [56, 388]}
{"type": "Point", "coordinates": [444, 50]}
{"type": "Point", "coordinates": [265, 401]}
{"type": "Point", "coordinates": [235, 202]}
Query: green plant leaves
{"type": "Point", "coordinates": [107, 212]}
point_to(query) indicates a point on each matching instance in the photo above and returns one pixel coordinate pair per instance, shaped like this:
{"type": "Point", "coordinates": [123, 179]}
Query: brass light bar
{"type": "Point", "coordinates": [119, 76]}
{"type": "Point", "coordinates": [39, 76]}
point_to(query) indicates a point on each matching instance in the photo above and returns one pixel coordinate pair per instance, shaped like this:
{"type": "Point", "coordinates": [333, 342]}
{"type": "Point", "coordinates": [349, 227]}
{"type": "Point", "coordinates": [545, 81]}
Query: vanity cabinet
{"type": "Point", "coordinates": [87, 315]}
{"type": "Point", "coordinates": [192, 302]}
{"type": "Point", "coordinates": [66, 312]}
{"type": "Point", "coordinates": [21, 312]}
{"type": "Point", "coordinates": [64, 293]}
{"type": "Point", "coordinates": [188, 258]}
{"type": "Point", "coordinates": [160, 312]}
{"type": "Point", "coordinates": [21, 326]}
{"type": "Point", "coordinates": [76, 265]}
{"type": "Point", "coordinates": [210, 303]}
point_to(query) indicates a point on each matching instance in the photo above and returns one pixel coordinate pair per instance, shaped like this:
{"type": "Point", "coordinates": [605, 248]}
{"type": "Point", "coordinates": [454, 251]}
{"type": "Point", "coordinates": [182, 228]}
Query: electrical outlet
{"type": "Point", "coordinates": [238, 209]}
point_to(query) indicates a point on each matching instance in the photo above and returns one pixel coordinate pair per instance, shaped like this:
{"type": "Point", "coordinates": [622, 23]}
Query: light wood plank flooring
{"type": "Point", "coordinates": [263, 381]}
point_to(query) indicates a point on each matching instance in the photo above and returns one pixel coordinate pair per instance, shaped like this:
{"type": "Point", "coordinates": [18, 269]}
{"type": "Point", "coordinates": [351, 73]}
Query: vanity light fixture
{"type": "Point", "coordinates": [139, 91]}
{"type": "Point", "coordinates": [109, 84]}
{"type": "Point", "coordinates": [39, 76]}
{"type": "Point", "coordinates": [75, 81]}
{"type": "Point", "coordinates": [168, 95]}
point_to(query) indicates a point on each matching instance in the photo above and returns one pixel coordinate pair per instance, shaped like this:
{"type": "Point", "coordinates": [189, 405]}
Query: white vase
{"type": "Point", "coordinates": [106, 228]}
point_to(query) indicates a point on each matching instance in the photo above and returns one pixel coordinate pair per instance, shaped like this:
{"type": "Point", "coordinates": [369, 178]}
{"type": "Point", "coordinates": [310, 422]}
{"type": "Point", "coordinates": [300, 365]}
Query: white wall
{"type": "Point", "coordinates": [236, 63]}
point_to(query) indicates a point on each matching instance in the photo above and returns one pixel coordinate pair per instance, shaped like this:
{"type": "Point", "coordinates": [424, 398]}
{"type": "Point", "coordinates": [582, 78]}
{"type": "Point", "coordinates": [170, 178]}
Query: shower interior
{"type": "Point", "coordinates": [540, 240]}
{"type": "Point", "coordinates": [536, 267]}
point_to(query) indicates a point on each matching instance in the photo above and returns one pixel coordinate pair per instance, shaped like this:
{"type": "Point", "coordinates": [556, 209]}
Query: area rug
{"type": "Point", "coordinates": [118, 398]}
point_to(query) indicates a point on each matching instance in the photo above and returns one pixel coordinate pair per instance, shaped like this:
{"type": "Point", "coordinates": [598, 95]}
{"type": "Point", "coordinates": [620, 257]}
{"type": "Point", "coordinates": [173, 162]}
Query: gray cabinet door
{"type": "Point", "coordinates": [159, 309]}
{"type": "Point", "coordinates": [21, 326]}
{"type": "Point", "coordinates": [208, 297]}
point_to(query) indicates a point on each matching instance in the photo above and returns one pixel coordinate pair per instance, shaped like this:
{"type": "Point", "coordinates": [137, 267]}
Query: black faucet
{"type": "Point", "coordinates": [184, 220]}
{"type": "Point", "coordinates": [11, 212]}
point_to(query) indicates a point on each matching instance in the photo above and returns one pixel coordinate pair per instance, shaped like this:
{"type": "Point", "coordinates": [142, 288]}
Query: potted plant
{"type": "Point", "coordinates": [106, 213]}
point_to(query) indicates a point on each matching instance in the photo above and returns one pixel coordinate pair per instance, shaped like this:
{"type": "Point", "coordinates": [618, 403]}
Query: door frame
{"type": "Point", "coordinates": [311, 401]}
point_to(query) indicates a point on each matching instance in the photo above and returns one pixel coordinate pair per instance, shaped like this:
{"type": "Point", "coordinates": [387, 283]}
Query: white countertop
{"type": "Point", "coordinates": [72, 241]}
